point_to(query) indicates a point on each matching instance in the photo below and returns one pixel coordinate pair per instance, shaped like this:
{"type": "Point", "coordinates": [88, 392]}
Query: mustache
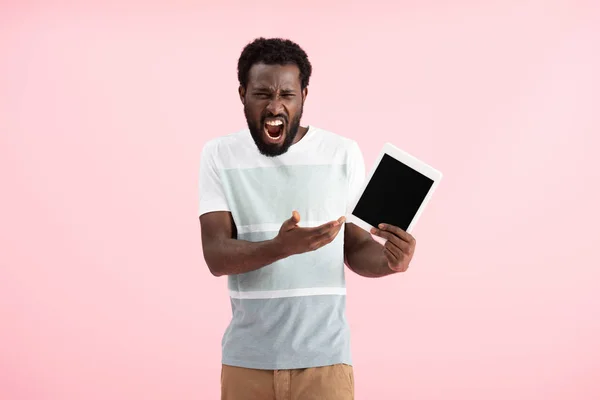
{"type": "Point", "coordinates": [269, 115]}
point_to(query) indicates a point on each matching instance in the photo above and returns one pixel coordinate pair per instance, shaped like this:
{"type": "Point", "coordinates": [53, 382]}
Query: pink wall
{"type": "Point", "coordinates": [103, 112]}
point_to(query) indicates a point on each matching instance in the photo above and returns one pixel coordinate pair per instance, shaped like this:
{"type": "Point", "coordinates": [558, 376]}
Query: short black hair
{"type": "Point", "coordinates": [275, 51]}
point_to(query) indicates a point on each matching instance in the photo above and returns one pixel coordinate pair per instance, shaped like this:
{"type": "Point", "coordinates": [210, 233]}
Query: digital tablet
{"type": "Point", "coordinates": [395, 192]}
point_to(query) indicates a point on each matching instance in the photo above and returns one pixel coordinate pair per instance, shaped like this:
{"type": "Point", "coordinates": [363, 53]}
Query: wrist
{"type": "Point", "coordinates": [277, 249]}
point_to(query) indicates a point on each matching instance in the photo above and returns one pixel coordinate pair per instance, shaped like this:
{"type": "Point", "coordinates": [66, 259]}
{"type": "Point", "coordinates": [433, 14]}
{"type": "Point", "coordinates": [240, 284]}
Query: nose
{"type": "Point", "coordinates": [275, 107]}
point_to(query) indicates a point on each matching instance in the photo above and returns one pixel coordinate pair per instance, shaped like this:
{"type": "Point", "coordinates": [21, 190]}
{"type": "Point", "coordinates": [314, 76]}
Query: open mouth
{"type": "Point", "coordinates": [274, 129]}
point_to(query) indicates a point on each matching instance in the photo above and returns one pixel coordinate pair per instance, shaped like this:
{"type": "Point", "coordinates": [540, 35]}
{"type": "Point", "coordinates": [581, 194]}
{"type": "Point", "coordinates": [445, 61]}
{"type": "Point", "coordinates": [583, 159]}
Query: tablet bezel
{"type": "Point", "coordinates": [412, 162]}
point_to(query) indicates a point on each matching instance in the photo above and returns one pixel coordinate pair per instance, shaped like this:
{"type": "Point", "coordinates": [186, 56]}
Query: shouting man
{"type": "Point", "coordinates": [272, 202]}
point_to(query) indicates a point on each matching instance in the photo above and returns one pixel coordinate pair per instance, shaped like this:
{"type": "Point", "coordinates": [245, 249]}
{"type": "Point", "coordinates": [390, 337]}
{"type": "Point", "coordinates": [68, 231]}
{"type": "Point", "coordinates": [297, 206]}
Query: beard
{"type": "Point", "coordinates": [268, 149]}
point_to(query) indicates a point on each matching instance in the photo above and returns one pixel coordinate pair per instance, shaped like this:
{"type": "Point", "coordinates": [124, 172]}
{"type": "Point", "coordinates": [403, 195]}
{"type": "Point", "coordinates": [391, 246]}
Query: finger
{"type": "Point", "coordinates": [390, 256]}
{"type": "Point", "coordinates": [402, 234]}
{"type": "Point", "coordinates": [326, 238]}
{"type": "Point", "coordinates": [329, 235]}
{"type": "Point", "coordinates": [399, 243]}
{"type": "Point", "coordinates": [401, 246]}
{"type": "Point", "coordinates": [394, 263]}
{"type": "Point", "coordinates": [325, 228]}
{"type": "Point", "coordinates": [396, 252]}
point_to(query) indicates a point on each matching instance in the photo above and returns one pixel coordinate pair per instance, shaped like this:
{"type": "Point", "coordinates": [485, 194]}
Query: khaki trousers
{"type": "Point", "coordinates": [333, 382]}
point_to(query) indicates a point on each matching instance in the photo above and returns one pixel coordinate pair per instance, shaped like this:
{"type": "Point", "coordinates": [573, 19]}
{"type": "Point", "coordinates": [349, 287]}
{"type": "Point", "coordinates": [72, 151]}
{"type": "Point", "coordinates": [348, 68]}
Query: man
{"type": "Point", "coordinates": [272, 204]}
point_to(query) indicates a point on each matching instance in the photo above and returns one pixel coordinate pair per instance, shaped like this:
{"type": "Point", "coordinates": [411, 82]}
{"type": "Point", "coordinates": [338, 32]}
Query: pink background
{"type": "Point", "coordinates": [103, 112]}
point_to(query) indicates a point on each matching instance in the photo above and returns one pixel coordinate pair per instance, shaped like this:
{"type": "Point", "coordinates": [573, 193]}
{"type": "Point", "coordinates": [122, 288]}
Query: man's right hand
{"type": "Point", "coordinates": [295, 240]}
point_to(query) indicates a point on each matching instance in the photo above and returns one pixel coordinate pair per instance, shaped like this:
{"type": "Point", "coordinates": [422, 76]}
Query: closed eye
{"type": "Point", "coordinates": [265, 95]}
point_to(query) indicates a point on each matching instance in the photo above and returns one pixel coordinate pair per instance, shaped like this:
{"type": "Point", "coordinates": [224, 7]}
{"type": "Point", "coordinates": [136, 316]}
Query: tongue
{"type": "Point", "coordinates": [273, 130]}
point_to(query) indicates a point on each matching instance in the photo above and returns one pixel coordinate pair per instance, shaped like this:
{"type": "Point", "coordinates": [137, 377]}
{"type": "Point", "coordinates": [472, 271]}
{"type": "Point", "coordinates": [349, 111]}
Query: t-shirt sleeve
{"type": "Point", "coordinates": [212, 196]}
{"type": "Point", "coordinates": [356, 174]}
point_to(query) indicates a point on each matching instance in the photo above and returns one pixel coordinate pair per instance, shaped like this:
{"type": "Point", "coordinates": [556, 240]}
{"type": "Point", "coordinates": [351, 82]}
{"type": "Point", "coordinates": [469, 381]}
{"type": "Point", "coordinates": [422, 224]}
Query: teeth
{"type": "Point", "coordinates": [274, 123]}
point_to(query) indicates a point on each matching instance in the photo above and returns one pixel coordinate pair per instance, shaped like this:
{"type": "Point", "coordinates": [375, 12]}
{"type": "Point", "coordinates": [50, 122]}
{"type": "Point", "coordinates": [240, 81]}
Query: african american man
{"type": "Point", "coordinates": [272, 202]}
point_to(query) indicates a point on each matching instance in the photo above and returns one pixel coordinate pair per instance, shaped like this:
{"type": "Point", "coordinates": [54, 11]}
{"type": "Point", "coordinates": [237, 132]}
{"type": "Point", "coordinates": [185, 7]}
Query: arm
{"type": "Point", "coordinates": [369, 258]}
{"type": "Point", "coordinates": [363, 254]}
{"type": "Point", "coordinates": [225, 254]}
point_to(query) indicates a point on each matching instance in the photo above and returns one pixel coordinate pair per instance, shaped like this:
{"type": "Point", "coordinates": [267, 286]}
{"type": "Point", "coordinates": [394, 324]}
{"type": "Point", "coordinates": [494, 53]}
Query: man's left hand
{"type": "Point", "coordinates": [398, 248]}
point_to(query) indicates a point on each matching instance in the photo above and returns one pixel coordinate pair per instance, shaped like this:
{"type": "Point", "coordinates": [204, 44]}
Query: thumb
{"type": "Point", "coordinates": [290, 223]}
{"type": "Point", "coordinates": [295, 216]}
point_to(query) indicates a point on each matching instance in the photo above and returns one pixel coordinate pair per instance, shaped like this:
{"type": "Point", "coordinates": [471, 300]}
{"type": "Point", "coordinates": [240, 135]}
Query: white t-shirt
{"type": "Point", "coordinates": [289, 314]}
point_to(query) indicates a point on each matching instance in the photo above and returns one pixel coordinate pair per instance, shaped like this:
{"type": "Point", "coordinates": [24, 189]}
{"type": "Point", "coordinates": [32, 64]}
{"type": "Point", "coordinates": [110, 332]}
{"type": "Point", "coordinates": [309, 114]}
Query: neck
{"type": "Point", "coordinates": [301, 132]}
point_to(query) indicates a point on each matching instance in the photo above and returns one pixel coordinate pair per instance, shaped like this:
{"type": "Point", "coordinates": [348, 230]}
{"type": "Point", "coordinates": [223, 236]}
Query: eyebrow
{"type": "Point", "coordinates": [267, 89]}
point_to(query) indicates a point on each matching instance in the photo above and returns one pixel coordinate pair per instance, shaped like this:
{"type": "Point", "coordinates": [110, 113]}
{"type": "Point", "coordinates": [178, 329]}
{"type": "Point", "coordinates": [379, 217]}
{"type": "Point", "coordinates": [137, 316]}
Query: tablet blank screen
{"type": "Point", "coordinates": [393, 195]}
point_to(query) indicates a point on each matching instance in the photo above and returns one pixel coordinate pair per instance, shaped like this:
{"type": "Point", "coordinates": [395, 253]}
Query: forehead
{"type": "Point", "coordinates": [274, 75]}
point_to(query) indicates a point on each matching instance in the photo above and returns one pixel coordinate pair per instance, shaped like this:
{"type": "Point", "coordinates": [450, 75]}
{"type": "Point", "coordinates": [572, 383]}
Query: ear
{"type": "Point", "coordinates": [242, 93]}
{"type": "Point", "coordinates": [304, 94]}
